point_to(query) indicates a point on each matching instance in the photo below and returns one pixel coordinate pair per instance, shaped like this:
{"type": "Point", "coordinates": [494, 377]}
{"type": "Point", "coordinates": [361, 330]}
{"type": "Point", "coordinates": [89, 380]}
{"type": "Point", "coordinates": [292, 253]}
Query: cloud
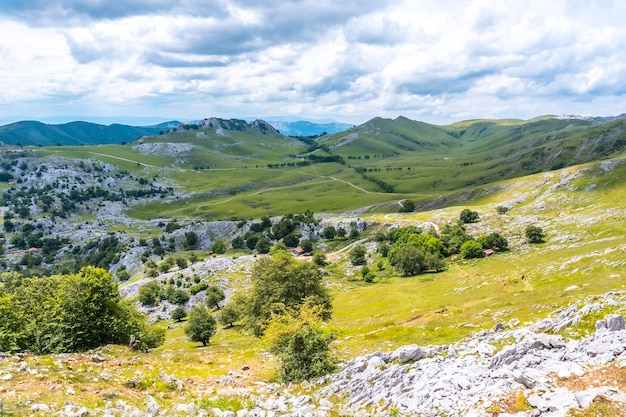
{"type": "Point", "coordinates": [350, 60]}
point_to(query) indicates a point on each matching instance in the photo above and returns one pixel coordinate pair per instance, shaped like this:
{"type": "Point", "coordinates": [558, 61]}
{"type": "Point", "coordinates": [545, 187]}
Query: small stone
{"type": "Point", "coordinates": [7, 377]}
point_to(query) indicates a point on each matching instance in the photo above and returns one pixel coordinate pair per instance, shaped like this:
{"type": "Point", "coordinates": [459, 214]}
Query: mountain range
{"type": "Point", "coordinates": [35, 133]}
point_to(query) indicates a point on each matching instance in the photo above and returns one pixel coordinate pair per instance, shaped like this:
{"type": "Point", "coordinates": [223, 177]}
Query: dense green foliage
{"type": "Point", "coordinates": [358, 255]}
{"type": "Point", "coordinates": [412, 252]}
{"type": "Point", "coordinates": [179, 313]}
{"type": "Point", "coordinates": [201, 325]}
{"type": "Point", "coordinates": [302, 344]}
{"type": "Point", "coordinates": [214, 295]}
{"type": "Point", "coordinates": [66, 313]}
{"type": "Point", "coordinates": [535, 234]}
{"type": "Point", "coordinates": [468, 216]}
{"type": "Point", "coordinates": [283, 284]}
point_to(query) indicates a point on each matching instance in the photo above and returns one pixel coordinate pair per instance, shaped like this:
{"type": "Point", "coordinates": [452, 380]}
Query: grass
{"type": "Point", "coordinates": [583, 256]}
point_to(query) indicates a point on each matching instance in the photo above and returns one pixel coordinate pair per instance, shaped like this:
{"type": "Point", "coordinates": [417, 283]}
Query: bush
{"type": "Point", "coordinates": [81, 312]}
{"type": "Point", "coordinates": [302, 345]}
{"type": "Point", "coordinates": [195, 289]}
{"type": "Point", "coordinates": [471, 249]}
{"type": "Point", "coordinates": [149, 293]}
{"type": "Point", "coordinates": [468, 216]}
{"type": "Point", "coordinates": [357, 255]}
{"type": "Point", "coordinates": [535, 234]}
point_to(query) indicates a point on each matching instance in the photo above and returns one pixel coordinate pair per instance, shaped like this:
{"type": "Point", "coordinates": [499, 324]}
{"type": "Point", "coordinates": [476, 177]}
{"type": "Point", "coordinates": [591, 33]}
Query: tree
{"type": "Point", "coordinates": [291, 240]}
{"type": "Point", "coordinates": [357, 255]}
{"type": "Point", "coordinates": [468, 216]}
{"type": "Point", "coordinates": [229, 315]}
{"type": "Point", "coordinates": [354, 233]}
{"type": "Point", "coordinates": [282, 284]}
{"type": "Point", "coordinates": [263, 245]}
{"type": "Point", "coordinates": [191, 240]}
{"type": "Point", "coordinates": [471, 249]}
{"type": "Point", "coordinates": [502, 209]}
{"type": "Point", "coordinates": [149, 293]}
{"type": "Point", "coordinates": [341, 233]}
{"type": "Point", "coordinates": [493, 241]}
{"type": "Point", "coordinates": [214, 295]}
{"type": "Point", "coordinates": [329, 232]}
{"type": "Point", "coordinates": [410, 260]}
{"type": "Point", "coordinates": [238, 242]}
{"type": "Point", "coordinates": [302, 344]}
{"type": "Point", "coordinates": [218, 247]}
{"type": "Point", "coordinates": [306, 245]}
{"type": "Point", "coordinates": [201, 325]}
{"type": "Point", "coordinates": [535, 234]}
{"type": "Point", "coordinates": [408, 206]}
{"type": "Point", "coordinates": [68, 313]}
{"type": "Point", "coordinates": [179, 313]}
{"type": "Point", "coordinates": [319, 259]}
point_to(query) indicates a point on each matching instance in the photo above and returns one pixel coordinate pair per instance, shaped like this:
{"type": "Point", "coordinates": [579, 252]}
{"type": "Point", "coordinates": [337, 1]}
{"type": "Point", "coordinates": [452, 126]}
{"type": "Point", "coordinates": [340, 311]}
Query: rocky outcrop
{"type": "Point", "coordinates": [468, 378]}
{"type": "Point", "coordinates": [222, 126]}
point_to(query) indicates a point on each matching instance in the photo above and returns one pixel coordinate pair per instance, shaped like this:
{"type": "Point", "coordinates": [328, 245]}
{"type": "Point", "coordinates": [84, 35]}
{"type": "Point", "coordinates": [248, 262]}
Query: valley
{"type": "Point", "coordinates": [174, 196]}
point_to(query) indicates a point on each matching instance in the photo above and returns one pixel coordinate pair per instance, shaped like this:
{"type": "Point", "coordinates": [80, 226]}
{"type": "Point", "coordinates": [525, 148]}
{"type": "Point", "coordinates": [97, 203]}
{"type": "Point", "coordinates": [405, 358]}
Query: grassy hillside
{"type": "Point", "coordinates": [581, 208]}
{"type": "Point", "coordinates": [248, 173]}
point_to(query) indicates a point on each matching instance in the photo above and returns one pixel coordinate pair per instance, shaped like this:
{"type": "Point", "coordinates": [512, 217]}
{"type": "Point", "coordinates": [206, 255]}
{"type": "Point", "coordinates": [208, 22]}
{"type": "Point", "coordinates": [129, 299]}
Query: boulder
{"type": "Point", "coordinates": [410, 353]}
{"type": "Point", "coordinates": [615, 323]}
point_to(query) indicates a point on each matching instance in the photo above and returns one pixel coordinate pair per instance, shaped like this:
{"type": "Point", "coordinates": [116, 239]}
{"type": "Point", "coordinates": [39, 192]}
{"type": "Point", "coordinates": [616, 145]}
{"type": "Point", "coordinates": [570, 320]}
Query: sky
{"type": "Point", "coordinates": [435, 61]}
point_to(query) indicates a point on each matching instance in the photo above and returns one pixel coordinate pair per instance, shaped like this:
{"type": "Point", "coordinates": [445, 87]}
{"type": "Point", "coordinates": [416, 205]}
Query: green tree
{"type": "Point", "coordinates": [306, 245]}
{"type": "Point", "coordinates": [201, 325]}
{"type": "Point", "coordinates": [410, 260]}
{"type": "Point", "coordinates": [263, 245]}
{"type": "Point", "coordinates": [191, 240]}
{"type": "Point", "coordinates": [471, 249]}
{"type": "Point", "coordinates": [282, 283]}
{"type": "Point", "coordinates": [218, 247]}
{"type": "Point", "coordinates": [468, 216]}
{"type": "Point", "coordinates": [179, 313]}
{"type": "Point", "coordinates": [66, 313]}
{"type": "Point", "coordinates": [502, 209]}
{"type": "Point", "coordinates": [319, 259]}
{"type": "Point", "coordinates": [291, 240]}
{"type": "Point", "coordinates": [149, 293]}
{"type": "Point", "coordinates": [408, 206]}
{"type": "Point", "coordinates": [214, 295]}
{"type": "Point", "coordinates": [535, 234]}
{"type": "Point", "coordinates": [341, 233]}
{"type": "Point", "coordinates": [229, 315]}
{"type": "Point", "coordinates": [357, 255]}
{"type": "Point", "coordinates": [301, 343]}
{"type": "Point", "coordinates": [329, 232]}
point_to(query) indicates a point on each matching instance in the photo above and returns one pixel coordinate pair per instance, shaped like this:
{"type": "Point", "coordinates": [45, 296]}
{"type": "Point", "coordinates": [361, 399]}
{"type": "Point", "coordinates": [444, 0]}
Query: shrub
{"type": "Point", "coordinates": [535, 234]}
{"type": "Point", "coordinates": [357, 255]}
{"type": "Point", "coordinates": [471, 249]}
{"type": "Point", "coordinates": [149, 293]}
{"type": "Point", "coordinates": [302, 344]}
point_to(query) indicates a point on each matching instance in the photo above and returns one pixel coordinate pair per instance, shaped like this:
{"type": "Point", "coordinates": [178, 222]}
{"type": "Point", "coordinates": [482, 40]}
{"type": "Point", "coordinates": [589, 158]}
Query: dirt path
{"type": "Point", "coordinates": [333, 255]}
{"type": "Point", "coordinates": [123, 159]}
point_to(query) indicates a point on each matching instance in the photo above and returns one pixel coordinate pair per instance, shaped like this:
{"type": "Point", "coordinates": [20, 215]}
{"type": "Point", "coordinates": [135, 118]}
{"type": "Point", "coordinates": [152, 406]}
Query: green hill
{"type": "Point", "coordinates": [31, 133]}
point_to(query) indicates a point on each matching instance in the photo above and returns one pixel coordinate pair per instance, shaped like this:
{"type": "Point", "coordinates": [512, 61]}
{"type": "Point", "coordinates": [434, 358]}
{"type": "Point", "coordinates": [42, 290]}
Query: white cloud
{"type": "Point", "coordinates": [429, 60]}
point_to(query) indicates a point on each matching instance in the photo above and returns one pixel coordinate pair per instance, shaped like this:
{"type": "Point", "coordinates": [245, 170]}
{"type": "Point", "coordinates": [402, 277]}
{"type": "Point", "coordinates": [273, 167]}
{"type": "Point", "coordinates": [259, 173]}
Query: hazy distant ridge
{"type": "Point", "coordinates": [33, 133]}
